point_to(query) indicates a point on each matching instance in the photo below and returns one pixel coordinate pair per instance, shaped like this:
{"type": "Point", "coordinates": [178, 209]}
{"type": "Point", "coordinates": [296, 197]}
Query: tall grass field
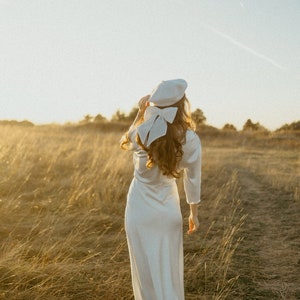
{"type": "Point", "coordinates": [62, 199]}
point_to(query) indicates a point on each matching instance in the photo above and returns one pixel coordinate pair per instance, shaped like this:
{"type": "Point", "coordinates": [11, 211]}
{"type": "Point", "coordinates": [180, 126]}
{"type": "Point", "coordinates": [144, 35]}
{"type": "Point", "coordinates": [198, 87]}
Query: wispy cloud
{"type": "Point", "coordinates": [242, 5]}
{"type": "Point", "coordinates": [244, 47]}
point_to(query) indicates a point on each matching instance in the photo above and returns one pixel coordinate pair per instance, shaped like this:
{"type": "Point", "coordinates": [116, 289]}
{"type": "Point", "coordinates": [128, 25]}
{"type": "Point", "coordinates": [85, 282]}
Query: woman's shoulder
{"type": "Point", "coordinates": [191, 149]}
{"type": "Point", "coordinates": [192, 142]}
{"type": "Point", "coordinates": [191, 136]}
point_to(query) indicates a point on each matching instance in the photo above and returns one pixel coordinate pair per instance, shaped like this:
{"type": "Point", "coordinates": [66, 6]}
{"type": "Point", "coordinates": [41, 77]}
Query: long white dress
{"type": "Point", "coordinates": [153, 223]}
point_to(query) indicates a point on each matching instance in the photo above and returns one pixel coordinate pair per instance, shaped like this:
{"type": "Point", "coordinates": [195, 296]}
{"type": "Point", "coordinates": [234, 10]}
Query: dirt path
{"type": "Point", "coordinates": [268, 259]}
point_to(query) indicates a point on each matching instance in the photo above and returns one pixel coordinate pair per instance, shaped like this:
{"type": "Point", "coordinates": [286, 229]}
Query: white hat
{"type": "Point", "coordinates": [168, 92]}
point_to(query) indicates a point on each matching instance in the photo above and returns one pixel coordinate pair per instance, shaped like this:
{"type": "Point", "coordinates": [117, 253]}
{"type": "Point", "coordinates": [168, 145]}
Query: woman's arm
{"type": "Point", "coordinates": [143, 103]}
{"type": "Point", "coordinates": [125, 140]}
{"type": "Point", "coordinates": [191, 164]}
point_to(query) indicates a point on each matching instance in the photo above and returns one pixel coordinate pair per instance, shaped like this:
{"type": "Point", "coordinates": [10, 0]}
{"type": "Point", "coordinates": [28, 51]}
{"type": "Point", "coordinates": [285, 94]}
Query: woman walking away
{"type": "Point", "coordinates": [164, 146]}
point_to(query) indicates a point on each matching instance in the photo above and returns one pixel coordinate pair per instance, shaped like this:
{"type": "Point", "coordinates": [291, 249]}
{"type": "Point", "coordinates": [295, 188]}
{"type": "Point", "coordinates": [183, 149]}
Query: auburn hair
{"type": "Point", "coordinates": [166, 152]}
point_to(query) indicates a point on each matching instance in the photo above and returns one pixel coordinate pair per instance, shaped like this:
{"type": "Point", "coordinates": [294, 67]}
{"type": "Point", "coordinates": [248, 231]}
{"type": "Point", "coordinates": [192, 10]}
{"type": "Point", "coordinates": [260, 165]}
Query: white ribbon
{"type": "Point", "coordinates": [155, 123]}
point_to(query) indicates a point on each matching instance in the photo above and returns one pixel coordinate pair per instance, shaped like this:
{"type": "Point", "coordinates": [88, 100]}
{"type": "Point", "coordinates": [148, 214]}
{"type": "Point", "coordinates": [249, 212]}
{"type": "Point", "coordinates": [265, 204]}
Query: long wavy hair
{"type": "Point", "coordinates": [166, 152]}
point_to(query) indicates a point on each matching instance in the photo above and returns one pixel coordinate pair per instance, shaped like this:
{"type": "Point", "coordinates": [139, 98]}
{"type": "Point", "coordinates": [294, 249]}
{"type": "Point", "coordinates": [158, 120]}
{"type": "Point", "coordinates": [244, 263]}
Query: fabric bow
{"type": "Point", "coordinates": [155, 124]}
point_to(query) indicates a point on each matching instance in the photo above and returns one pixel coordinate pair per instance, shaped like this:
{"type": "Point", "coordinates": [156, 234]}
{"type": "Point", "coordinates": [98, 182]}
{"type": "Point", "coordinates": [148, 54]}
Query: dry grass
{"type": "Point", "coordinates": [62, 200]}
{"type": "Point", "coordinates": [268, 174]}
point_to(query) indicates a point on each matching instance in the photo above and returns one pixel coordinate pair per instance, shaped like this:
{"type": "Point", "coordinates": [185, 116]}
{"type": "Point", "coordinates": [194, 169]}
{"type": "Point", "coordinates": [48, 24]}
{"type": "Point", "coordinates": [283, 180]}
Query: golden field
{"type": "Point", "coordinates": [62, 200]}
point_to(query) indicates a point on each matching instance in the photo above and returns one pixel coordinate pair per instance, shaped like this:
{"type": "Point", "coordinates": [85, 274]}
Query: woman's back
{"type": "Point", "coordinates": [153, 175]}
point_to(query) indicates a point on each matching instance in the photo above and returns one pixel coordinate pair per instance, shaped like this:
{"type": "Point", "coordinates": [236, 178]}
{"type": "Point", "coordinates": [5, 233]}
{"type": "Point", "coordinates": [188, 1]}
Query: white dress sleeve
{"type": "Point", "coordinates": [191, 165]}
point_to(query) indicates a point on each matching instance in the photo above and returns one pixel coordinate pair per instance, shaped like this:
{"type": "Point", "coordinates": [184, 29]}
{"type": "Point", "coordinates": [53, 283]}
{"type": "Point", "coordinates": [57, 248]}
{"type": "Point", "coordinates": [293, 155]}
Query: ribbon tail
{"type": "Point", "coordinates": [144, 129]}
{"type": "Point", "coordinates": [158, 129]}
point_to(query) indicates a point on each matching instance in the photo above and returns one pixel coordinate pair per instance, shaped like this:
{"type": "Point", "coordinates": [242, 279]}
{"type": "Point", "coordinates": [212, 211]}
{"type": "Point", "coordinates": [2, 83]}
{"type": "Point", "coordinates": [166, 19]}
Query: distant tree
{"type": "Point", "coordinates": [287, 127]}
{"type": "Point", "coordinates": [229, 127]}
{"type": "Point", "coordinates": [99, 119]}
{"type": "Point", "coordinates": [198, 117]}
{"type": "Point", "coordinates": [24, 123]}
{"type": "Point", "coordinates": [250, 126]}
{"type": "Point", "coordinates": [118, 116]}
{"type": "Point", "coordinates": [295, 125]}
{"type": "Point", "coordinates": [87, 119]}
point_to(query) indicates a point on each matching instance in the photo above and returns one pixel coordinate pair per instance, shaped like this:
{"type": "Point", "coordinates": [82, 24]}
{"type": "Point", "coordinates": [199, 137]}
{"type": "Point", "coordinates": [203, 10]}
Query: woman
{"type": "Point", "coordinates": [164, 145]}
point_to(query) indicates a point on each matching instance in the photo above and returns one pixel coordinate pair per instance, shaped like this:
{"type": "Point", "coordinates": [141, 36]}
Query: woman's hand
{"type": "Point", "coordinates": [143, 103]}
{"type": "Point", "coordinates": [193, 224]}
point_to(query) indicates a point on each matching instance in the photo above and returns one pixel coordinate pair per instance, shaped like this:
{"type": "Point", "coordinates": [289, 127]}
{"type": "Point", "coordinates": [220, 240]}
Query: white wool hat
{"type": "Point", "coordinates": [168, 92]}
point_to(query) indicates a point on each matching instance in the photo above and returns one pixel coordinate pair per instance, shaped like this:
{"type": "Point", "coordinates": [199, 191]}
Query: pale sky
{"type": "Point", "coordinates": [63, 59]}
